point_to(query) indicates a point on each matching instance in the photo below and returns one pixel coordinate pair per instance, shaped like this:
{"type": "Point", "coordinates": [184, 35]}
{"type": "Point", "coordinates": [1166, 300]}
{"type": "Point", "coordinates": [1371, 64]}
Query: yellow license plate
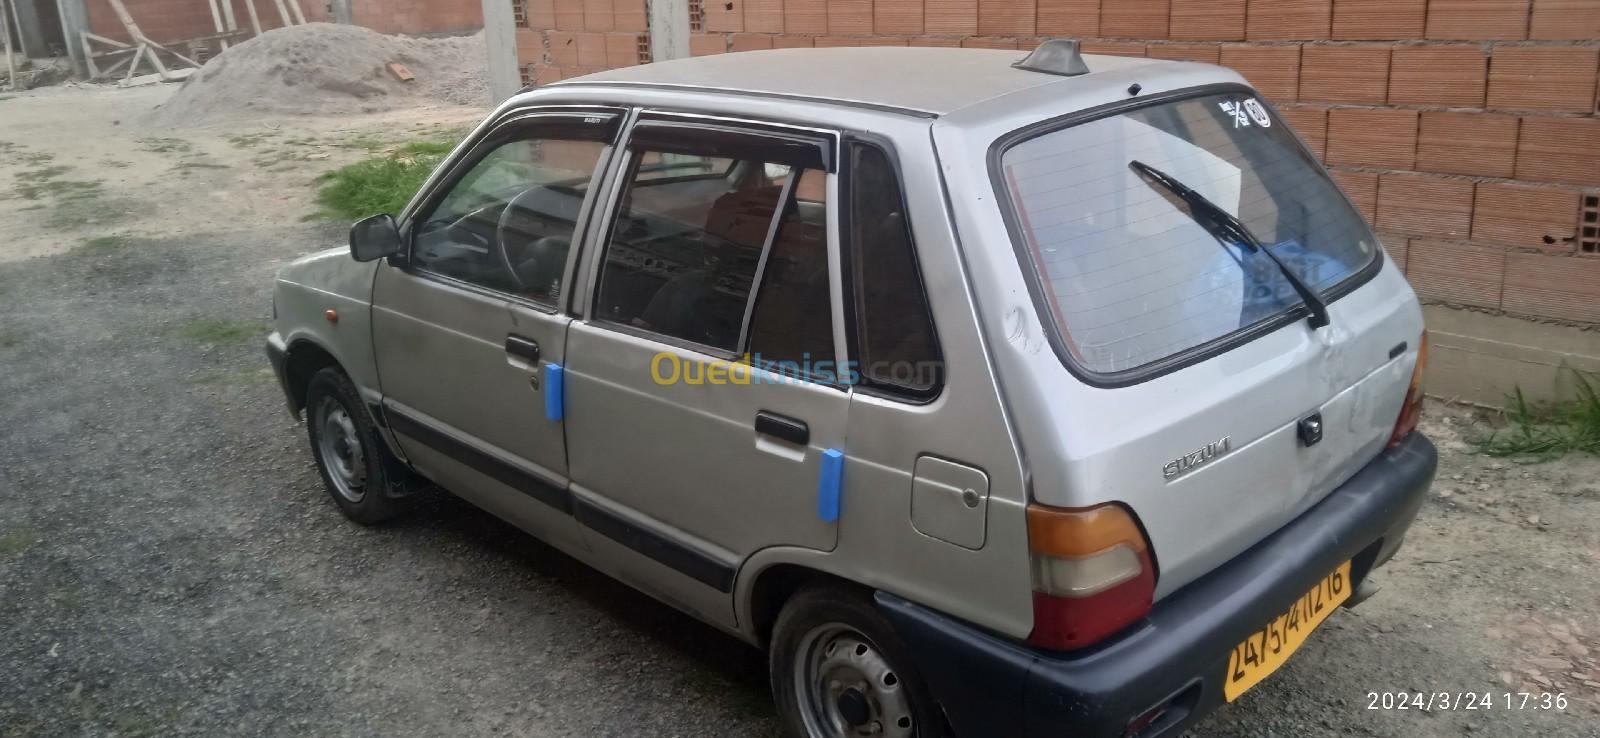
{"type": "Point", "coordinates": [1266, 649]}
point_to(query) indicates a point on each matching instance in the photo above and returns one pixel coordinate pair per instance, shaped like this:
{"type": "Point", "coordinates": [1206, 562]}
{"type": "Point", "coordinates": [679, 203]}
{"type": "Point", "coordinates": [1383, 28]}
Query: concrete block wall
{"type": "Point", "coordinates": [1465, 130]}
{"type": "Point", "coordinates": [570, 38]}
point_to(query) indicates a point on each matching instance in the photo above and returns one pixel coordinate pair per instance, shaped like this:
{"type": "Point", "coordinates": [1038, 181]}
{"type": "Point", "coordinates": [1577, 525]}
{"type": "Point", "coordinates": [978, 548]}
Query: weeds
{"type": "Point", "coordinates": [1540, 431]}
{"type": "Point", "coordinates": [219, 331]}
{"type": "Point", "coordinates": [104, 243]}
{"type": "Point", "coordinates": [166, 145]}
{"type": "Point", "coordinates": [382, 184]}
{"type": "Point", "coordinates": [34, 184]}
{"type": "Point", "coordinates": [18, 541]}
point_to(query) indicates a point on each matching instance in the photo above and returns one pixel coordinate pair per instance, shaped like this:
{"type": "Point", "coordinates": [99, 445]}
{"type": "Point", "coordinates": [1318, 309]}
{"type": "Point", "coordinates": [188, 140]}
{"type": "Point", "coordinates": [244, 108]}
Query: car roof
{"type": "Point", "coordinates": [914, 80]}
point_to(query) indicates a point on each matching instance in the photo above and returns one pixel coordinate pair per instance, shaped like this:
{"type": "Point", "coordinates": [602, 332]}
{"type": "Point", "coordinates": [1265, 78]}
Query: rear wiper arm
{"type": "Point", "coordinates": [1221, 224]}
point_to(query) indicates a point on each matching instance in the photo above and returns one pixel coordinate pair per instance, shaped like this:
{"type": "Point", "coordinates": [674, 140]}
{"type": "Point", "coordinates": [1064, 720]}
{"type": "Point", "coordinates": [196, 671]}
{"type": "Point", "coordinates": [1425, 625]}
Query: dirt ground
{"type": "Point", "coordinates": [170, 565]}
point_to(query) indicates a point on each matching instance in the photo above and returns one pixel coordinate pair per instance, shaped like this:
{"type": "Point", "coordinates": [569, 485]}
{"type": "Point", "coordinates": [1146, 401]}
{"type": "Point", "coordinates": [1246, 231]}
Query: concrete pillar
{"type": "Point", "coordinates": [30, 30]}
{"type": "Point", "coordinates": [669, 29]}
{"type": "Point", "coordinates": [74, 20]}
{"type": "Point", "coordinates": [500, 33]}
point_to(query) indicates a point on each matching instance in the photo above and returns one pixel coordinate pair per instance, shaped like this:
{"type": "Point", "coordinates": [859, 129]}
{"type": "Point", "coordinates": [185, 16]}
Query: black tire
{"type": "Point", "coordinates": [820, 618]}
{"type": "Point", "coordinates": [354, 451]}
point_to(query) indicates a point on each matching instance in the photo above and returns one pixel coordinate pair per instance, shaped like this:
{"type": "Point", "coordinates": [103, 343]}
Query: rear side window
{"type": "Point", "coordinates": [792, 324]}
{"type": "Point", "coordinates": [897, 347]}
{"type": "Point", "coordinates": [1129, 274]}
{"type": "Point", "coordinates": [724, 243]}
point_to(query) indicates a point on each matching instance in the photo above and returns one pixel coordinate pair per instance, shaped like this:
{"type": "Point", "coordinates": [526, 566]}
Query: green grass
{"type": "Point", "coordinates": [88, 208]}
{"type": "Point", "coordinates": [382, 184]}
{"type": "Point", "coordinates": [249, 140]}
{"type": "Point", "coordinates": [166, 145]}
{"type": "Point", "coordinates": [221, 330]}
{"type": "Point", "coordinates": [18, 541]}
{"type": "Point", "coordinates": [104, 243]}
{"type": "Point", "coordinates": [183, 168]}
{"type": "Point", "coordinates": [36, 184]}
{"type": "Point", "coordinates": [1540, 431]}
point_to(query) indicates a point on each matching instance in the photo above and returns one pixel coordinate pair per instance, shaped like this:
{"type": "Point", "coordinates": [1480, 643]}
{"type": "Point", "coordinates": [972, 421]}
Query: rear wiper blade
{"type": "Point", "coordinates": [1221, 224]}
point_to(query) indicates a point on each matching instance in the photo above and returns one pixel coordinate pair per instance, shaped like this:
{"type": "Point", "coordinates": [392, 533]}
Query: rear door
{"type": "Point", "coordinates": [702, 383]}
{"type": "Point", "coordinates": [467, 327]}
{"type": "Point", "coordinates": [1194, 388]}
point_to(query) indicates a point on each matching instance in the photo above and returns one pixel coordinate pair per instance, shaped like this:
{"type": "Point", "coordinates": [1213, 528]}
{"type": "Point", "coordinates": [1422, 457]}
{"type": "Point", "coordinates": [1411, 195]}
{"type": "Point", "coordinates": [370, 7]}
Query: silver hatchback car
{"type": "Point", "coordinates": [993, 395]}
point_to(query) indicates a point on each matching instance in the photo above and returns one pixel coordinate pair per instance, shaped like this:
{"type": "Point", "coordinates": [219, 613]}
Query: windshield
{"type": "Point", "coordinates": [1131, 274]}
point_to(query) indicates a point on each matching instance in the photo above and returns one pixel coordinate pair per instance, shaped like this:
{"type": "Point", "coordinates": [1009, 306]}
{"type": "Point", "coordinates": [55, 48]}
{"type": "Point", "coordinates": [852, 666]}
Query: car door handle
{"type": "Point", "coordinates": [523, 348]}
{"type": "Point", "coordinates": [783, 428]}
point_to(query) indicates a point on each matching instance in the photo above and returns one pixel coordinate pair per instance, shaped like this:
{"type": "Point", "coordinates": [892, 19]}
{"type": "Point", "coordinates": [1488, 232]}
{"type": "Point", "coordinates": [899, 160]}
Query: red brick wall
{"type": "Point", "coordinates": [171, 20]}
{"type": "Point", "coordinates": [1465, 130]}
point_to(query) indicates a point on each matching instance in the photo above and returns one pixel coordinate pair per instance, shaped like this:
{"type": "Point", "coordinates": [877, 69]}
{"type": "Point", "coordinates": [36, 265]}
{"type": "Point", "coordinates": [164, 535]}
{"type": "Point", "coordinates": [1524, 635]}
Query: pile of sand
{"type": "Point", "coordinates": [327, 69]}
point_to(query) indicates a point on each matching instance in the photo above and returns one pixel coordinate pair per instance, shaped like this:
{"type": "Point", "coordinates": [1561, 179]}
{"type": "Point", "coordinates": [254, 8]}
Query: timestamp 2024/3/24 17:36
{"type": "Point", "coordinates": [1428, 701]}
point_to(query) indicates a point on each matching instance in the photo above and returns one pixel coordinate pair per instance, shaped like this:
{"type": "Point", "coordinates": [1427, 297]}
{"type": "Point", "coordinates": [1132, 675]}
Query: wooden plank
{"type": "Point", "coordinates": [299, 15]}
{"type": "Point", "coordinates": [186, 59]}
{"type": "Point", "coordinates": [133, 67]}
{"type": "Point", "coordinates": [106, 41]}
{"type": "Point", "coordinates": [176, 75]}
{"type": "Point", "coordinates": [127, 21]}
{"type": "Point", "coordinates": [228, 19]}
{"type": "Point", "coordinates": [88, 55]}
{"type": "Point", "coordinates": [283, 13]}
{"type": "Point", "coordinates": [216, 22]}
{"type": "Point", "coordinates": [255, 20]}
{"type": "Point", "coordinates": [112, 70]}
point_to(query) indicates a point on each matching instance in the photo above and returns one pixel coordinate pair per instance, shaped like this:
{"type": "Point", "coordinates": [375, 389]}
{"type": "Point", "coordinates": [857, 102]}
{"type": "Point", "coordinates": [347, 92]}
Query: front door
{"type": "Point", "coordinates": [467, 329]}
{"type": "Point", "coordinates": [685, 458]}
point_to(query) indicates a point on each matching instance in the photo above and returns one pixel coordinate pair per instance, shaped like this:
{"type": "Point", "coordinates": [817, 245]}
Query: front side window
{"type": "Point", "coordinates": [693, 236]}
{"type": "Point", "coordinates": [508, 223]}
{"type": "Point", "coordinates": [1133, 273]}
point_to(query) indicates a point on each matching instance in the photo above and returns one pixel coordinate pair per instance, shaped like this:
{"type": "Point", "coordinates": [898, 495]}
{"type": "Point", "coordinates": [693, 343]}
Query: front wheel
{"type": "Point", "coordinates": [839, 671]}
{"type": "Point", "coordinates": [347, 448]}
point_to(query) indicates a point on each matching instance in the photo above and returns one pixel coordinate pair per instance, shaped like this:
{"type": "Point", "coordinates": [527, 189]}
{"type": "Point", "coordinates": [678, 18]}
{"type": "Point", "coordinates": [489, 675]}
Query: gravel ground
{"type": "Point", "coordinates": [170, 565]}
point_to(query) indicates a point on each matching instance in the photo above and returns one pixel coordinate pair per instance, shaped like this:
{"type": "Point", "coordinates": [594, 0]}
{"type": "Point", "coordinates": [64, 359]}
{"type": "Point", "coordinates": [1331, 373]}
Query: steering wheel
{"type": "Point", "coordinates": [519, 222]}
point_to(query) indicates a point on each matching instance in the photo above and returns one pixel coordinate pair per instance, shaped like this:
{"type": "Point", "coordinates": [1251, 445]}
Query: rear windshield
{"type": "Point", "coordinates": [1132, 277]}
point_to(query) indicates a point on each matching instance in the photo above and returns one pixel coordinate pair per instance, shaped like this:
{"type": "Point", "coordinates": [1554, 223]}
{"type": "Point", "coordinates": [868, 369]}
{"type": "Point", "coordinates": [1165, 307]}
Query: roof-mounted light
{"type": "Point", "coordinates": [1055, 56]}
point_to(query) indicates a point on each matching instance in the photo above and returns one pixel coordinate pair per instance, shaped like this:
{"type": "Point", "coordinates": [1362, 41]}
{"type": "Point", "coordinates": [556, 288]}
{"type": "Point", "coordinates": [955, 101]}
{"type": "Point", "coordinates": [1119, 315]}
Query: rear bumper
{"type": "Point", "coordinates": [992, 687]}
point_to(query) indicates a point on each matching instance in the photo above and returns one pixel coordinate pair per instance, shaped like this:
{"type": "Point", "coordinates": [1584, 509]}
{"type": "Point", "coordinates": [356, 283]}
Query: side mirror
{"type": "Point", "coordinates": [374, 238]}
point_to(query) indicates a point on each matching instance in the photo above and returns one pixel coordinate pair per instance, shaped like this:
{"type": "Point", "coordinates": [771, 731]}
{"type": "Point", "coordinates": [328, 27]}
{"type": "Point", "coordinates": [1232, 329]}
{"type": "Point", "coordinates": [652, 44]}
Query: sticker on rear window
{"type": "Point", "coordinates": [1245, 112]}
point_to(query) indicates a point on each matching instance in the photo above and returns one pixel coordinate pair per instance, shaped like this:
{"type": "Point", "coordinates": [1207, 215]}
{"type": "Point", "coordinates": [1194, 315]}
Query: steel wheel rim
{"type": "Point", "coordinates": [339, 447]}
{"type": "Point", "coordinates": [846, 688]}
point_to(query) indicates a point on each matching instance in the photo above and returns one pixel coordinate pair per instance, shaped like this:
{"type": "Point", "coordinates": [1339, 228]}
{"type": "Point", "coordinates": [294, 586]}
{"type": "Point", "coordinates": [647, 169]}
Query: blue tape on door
{"type": "Point", "coordinates": [554, 394]}
{"type": "Point", "coordinates": [830, 482]}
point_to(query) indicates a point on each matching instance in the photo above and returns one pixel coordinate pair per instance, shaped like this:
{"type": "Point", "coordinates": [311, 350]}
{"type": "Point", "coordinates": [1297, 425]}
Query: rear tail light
{"type": "Point", "coordinates": [1411, 411]}
{"type": "Point", "coordinates": [1092, 574]}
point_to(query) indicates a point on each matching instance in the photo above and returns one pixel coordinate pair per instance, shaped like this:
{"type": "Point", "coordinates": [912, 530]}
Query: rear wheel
{"type": "Point", "coordinates": [839, 671]}
{"type": "Point", "coordinates": [347, 448]}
